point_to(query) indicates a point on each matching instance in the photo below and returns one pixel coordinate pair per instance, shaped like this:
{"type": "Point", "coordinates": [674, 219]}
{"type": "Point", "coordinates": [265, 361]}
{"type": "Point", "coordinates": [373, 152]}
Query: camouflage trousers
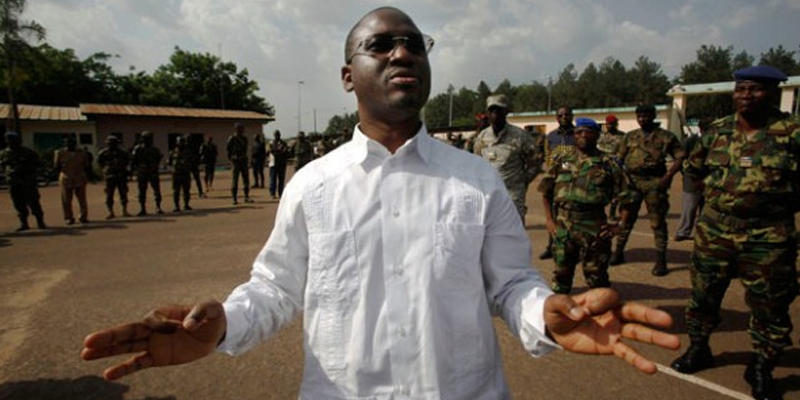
{"type": "Point", "coordinates": [240, 169]}
{"type": "Point", "coordinates": [181, 183]}
{"type": "Point", "coordinates": [763, 259]}
{"type": "Point", "coordinates": [577, 240]}
{"type": "Point", "coordinates": [517, 193]}
{"type": "Point", "coordinates": [657, 202]}
{"type": "Point", "coordinates": [143, 180]}
{"type": "Point", "coordinates": [116, 183]}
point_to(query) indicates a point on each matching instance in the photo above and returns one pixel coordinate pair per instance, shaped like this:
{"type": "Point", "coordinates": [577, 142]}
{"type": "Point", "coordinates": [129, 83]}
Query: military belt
{"type": "Point", "coordinates": [711, 214]}
{"type": "Point", "coordinates": [580, 210]}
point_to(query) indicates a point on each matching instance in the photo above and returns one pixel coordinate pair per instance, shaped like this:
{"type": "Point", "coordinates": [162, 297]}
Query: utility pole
{"type": "Point", "coordinates": [299, 106]}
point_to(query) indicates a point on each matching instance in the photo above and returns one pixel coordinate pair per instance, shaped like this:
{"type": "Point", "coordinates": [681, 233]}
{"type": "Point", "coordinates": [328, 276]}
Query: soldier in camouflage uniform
{"type": "Point", "coordinates": [303, 151]}
{"type": "Point", "coordinates": [746, 228]}
{"type": "Point", "coordinates": [510, 150]}
{"type": "Point", "coordinates": [538, 143]}
{"type": "Point", "coordinates": [644, 154]}
{"type": "Point", "coordinates": [580, 185]}
{"type": "Point", "coordinates": [20, 165]}
{"type": "Point", "coordinates": [208, 157]}
{"type": "Point", "coordinates": [145, 163]}
{"type": "Point", "coordinates": [114, 161]}
{"type": "Point", "coordinates": [558, 142]}
{"type": "Point", "coordinates": [237, 154]}
{"type": "Point", "coordinates": [180, 159]}
{"type": "Point", "coordinates": [609, 144]}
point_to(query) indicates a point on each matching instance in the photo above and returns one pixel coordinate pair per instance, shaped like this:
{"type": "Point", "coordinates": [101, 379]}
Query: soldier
{"type": "Point", "coordinates": [510, 150]}
{"type": "Point", "coordinates": [644, 153]}
{"type": "Point", "coordinates": [208, 157]}
{"type": "Point", "coordinates": [303, 151]}
{"type": "Point", "coordinates": [72, 163]}
{"type": "Point", "coordinates": [279, 151]}
{"type": "Point", "coordinates": [145, 162]}
{"type": "Point", "coordinates": [180, 160]}
{"type": "Point", "coordinates": [558, 142]}
{"type": "Point", "coordinates": [746, 228]}
{"type": "Point", "coordinates": [114, 161]}
{"type": "Point", "coordinates": [538, 141]}
{"type": "Point", "coordinates": [609, 143]}
{"type": "Point", "coordinates": [258, 158]}
{"type": "Point", "coordinates": [194, 165]}
{"type": "Point", "coordinates": [237, 154]}
{"type": "Point", "coordinates": [580, 185]}
{"type": "Point", "coordinates": [20, 165]}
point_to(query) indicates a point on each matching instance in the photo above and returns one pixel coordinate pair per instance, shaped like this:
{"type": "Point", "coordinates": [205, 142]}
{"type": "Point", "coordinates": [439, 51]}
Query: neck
{"type": "Point", "coordinates": [750, 122]}
{"type": "Point", "coordinates": [390, 135]}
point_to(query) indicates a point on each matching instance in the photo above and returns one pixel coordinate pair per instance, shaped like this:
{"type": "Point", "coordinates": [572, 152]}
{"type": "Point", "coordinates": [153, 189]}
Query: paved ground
{"type": "Point", "coordinates": [59, 284]}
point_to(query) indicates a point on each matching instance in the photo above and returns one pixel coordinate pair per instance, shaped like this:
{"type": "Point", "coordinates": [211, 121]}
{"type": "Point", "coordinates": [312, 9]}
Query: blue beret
{"type": "Point", "coordinates": [587, 123]}
{"type": "Point", "coordinates": [761, 73]}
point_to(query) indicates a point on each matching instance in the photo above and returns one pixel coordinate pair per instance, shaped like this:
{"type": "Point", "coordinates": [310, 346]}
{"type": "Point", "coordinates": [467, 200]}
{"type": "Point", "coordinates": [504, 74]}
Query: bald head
{"type": "Point", "coordinates": [353, 36]}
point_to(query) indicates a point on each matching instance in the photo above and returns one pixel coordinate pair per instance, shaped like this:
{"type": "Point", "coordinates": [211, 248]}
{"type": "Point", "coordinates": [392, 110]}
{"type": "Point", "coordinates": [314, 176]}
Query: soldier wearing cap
{"type": "Point", "coordinates": [559, 142]}
{"type": "Point", "coordinates": [746, 229]}
{"type": "Point", "coordinates": [643, 153]}
{"type": "Point", "coordinates": [72, 163]}
{"type": "Point", "coordinates": [145, 162]}
{"type": "Point", "coordinates": [510, 150]}
{"type": "Point", "coordinates": [180, 159]}
{"type": "Point", "coordinates": [609, 144]}
{"type": "Point", "coordinates": [580, 185]}
{"type": "Point", "coordinates": [20, 165]}
{"type": "Point", "coordinates": [114, 161]}
{"type": "Point", "coordinates": [237, 154]}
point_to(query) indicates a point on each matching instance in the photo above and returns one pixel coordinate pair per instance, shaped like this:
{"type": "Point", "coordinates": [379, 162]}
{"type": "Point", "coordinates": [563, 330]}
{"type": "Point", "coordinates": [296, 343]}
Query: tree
{"type": "Point", "coordinates": [650, 81]}
{"type": "Point", "coordinates": [713, 64]}
{"type": "Point", "coordinates": [341, 123]}
{"type": "Point", "coordinates": [782, 59]}
{"type": "Point", "coordinates": [565, 89]}
{"type": "Point", "coordinates": [617, 89]}
{"type": "Point", "coordinates": [14, 43]}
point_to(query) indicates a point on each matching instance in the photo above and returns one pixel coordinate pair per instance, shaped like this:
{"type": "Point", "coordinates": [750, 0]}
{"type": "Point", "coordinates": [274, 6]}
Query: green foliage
{"type": "Point", "coordinates": [339, 124]}
{"type": "Point", "coordinates": [14, 36]}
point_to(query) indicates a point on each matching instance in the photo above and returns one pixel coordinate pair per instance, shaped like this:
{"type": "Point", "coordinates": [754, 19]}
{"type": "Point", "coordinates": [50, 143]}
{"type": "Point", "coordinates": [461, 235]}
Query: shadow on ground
{"type": "Point", "coordinates": [88, 387]}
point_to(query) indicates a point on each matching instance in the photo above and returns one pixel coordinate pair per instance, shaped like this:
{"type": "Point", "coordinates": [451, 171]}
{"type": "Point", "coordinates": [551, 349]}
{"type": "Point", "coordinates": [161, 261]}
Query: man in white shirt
{"type": "Point", "coordinates": [399, 250]}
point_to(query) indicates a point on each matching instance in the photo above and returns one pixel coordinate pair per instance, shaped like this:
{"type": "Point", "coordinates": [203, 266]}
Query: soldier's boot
{"type": "Point", "coordinates": [158, 208]}
{"type": "Point", "coordinates": [548, 251]}
{"type": "Point", "coordinates": [40, 222]}
{"type": "Point", "coordinates": [125, 212]}
{"type": "Point", "coordinates": [23, 224]}
{"type": "Point", "coordinates": [618, 256]}
{"type": "Point", "coordinates": [660, 267]}
{"type": "Point", "coordinates": [696, 358]}
{"type": "Point", "coordinates": [759, 375]}
{"type": "Point", "coordinates": [110, 213]}
{"type": "Point", "coordinates": [142, 210]}
{"type": "Point", "coordinates": [186, 206]}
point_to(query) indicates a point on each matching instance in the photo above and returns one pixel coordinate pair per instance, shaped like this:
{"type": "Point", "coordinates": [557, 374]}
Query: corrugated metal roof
{"type": "Point", "coordinates": [720, 87]}
{"type": "Point", "coordinates": [174, 112]}
{"type": "Point", "coordinates": [43, 113]}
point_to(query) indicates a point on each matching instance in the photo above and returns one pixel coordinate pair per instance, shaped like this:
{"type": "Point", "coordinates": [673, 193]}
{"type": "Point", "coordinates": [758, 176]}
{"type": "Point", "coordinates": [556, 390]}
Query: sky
{"type": "Point", "coordinates": [284, 42]}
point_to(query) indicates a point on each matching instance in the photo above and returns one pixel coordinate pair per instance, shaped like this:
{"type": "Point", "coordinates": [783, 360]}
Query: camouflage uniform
{"type": "Point", "coordinates": [644, 158]}
{"type": "Point", "coordinates": [609, 143]}
{"type": "Point", "coordinates": [114, 161]}
{"type": "Point", "coordinates": [208, 157]}
{"type": "Point", "coordinates": [580, 186]}
{"type": "Point", "coordinates": [746, 228]}
{"type": "Point", "coordinates": [279, 151]}
{"type": "Point", "coordinates": [303, 153]}
{"type": "Point", "coordinates": [237, 154]}
{"type": "Point", "coordinates": [180, 159]}
{"type": "Point", "coordinates": [20, 166]}
{"type": "Point", "coordinates": [512, 152]}
{"type": "Point", "coordinates": [145, 163]}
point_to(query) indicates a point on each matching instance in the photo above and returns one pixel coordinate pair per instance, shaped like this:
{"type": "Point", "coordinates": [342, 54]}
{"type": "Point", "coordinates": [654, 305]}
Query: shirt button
{"type": "Point", "coordinates": [401, 332]}
{"type": "Point", "coordinates": [395, 212]}
{"type": "Point", "coordinates": [398, 270]}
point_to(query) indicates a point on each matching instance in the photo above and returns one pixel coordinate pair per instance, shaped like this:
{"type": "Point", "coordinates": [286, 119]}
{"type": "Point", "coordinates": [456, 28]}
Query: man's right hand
{"type": "Point", "coordinates": [167, 336]}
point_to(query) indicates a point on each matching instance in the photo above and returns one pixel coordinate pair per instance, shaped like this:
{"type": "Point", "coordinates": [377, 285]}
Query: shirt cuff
{"type": "Point", "coordinates": [533, 332]}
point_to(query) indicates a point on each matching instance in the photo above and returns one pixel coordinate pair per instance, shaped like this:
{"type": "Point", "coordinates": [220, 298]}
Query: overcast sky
{"type": "Point", "coordinates": [282, 42]}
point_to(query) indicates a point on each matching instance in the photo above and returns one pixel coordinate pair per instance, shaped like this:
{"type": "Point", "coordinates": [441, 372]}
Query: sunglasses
{"type": "Point", "coordinates": [384, 45]}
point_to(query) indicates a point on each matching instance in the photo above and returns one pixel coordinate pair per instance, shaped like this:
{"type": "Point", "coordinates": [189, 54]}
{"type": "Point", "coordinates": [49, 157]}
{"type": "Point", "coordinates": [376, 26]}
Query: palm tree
{"type": "Point", "coordinates": [13, 34]}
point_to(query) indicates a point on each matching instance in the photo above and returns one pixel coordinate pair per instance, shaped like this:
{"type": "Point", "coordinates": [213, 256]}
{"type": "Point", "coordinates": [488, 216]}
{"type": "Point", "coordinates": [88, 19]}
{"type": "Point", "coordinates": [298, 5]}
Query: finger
{"type": "Point", "coordinates": [109, 351]}
{"type": "Point", "coordinates": [632, 357]}
{"type": "Point", "coordinates": [637, 312]}
{"type": "Point", "coordinates": [164, 320]}
{"type": "Point", "coordinates": [131, 365]}
{"type": "Point", "coordinates": [208, 310]}
{"type": "Point", "coordinates": [648, 335]}
{"type": "Point", "coordinates": [599, 300]}
{"type": "Point", "coordinates": [116, 335]}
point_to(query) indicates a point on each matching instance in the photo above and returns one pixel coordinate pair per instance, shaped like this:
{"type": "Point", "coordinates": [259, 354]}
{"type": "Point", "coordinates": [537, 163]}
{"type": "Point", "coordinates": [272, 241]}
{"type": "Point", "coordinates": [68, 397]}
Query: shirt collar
{"type": "Point", "coordinates": [421, 144]}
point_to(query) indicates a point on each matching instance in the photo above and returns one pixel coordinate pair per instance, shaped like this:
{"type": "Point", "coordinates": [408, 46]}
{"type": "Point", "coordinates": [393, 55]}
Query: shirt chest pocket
{"type": "Point", "coordinates": [457, 250]}
{"type": "Point", "coordinates": [333, 280]}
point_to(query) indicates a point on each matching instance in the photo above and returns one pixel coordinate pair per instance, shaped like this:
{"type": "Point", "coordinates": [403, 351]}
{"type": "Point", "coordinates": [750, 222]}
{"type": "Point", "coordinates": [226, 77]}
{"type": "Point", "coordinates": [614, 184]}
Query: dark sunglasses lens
{"type": "Point", "coordinates": [380, 45]}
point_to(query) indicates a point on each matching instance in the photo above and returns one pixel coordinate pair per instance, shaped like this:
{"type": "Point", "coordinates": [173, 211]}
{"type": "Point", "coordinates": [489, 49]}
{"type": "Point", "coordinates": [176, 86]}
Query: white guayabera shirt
{"type": "Point", "coordinates": [399, 261]}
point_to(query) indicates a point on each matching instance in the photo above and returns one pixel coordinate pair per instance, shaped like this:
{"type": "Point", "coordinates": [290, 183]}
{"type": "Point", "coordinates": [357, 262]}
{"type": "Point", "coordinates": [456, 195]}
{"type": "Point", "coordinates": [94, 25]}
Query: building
{"type": "Point", "coordinates": [44, 127]}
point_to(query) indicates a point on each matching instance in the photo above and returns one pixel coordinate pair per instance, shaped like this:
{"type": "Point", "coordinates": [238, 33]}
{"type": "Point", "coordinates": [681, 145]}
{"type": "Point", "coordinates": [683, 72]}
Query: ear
{"type": "Point", "coordinates": [347, 78]}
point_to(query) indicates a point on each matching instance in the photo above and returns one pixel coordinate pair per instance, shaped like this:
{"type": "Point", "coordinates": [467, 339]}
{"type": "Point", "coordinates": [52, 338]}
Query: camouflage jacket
{"type": "Point", "coordinates": [580, 180]}
{"type": "Point", "coordinates": [609, 142]}
{"type": "Point", "coordinates": [237, 149]}
{"type": "Point", "coordinates": [181, 161]}
{"type": "Point", "coordinates": [558, 143]}
{"type": "Point", "coordinates": [646, 154]}
{"type": "Point", "coordinates": [208, 153]}
{"type": "Point", "coordinates": [19, 165]}
{"type": "Point", "coordinates": [512, 152]}
{"type": "Point", "coordinates": [146, 159]}
{"type": "Point", "coordinates": [114, 161]}
{"type": "Point", "coordinates": [303, 151]}
{"type": "Point", "coordinates": [753, 177]}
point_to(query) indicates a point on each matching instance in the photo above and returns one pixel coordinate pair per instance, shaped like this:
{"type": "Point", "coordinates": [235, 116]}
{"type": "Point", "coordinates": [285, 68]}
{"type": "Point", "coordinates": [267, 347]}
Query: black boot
{"type": "Point", "coordinates": [548, 251]}
{"type": "Point", "coordinates": [696, 358]}
{"type": "Point", "coordinates": [40, 222]}
{"type": "Point", "coordinates": [618, 257]}
{"type": "Point", "coordinates": [660, 268]}
{"type": "Point", "coordinates": [142, 210]}
{"type": "Point", "coordinates": [23, 225]}
{"type": "Point", "coordinates": [759, 375]}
